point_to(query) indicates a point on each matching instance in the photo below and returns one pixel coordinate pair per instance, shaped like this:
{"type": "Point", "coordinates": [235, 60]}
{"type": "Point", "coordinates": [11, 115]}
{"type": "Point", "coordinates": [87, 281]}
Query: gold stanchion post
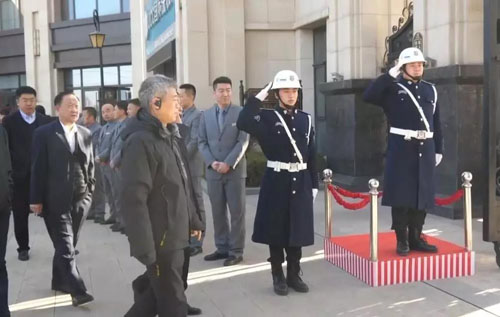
{"type": "Point", "coordinates": [327, 179]}
{"type": "Point", "coordinates": [467, 186]}
{"type": "Point", "coordinates": [373, 184]}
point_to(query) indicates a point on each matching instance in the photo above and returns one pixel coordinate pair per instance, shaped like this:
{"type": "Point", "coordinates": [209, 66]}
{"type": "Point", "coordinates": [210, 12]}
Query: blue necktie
{"type": "Point", "coordinates": [220, 119]}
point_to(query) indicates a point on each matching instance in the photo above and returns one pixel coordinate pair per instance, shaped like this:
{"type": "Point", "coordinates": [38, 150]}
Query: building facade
{"type": "Point", "coordinates": [336, 47]}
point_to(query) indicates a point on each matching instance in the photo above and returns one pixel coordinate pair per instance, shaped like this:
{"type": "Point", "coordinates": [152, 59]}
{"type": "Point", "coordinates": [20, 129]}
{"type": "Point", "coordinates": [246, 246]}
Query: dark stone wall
{"type": "Point", "coordinates": [460, 90]}
{"type": "Point", "coordinates": [356, 133]}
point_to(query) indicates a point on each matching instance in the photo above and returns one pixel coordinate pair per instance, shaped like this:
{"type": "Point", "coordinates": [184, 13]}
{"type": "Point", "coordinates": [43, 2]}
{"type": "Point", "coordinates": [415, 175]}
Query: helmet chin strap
{"type": "Point", "coordinates": [288, 107]}
{"type": "Point", "coordinates": [415, 78]}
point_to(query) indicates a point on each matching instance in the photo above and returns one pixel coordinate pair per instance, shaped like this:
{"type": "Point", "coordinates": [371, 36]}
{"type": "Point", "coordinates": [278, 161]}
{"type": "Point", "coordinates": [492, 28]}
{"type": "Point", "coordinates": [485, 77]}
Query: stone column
{"type": "Point", "coordinates": [138, 44]}
{"type": "Point", "coordinates": [40, 73]}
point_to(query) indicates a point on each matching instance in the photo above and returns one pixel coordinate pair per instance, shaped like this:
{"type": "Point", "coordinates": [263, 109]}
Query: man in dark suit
{"type": "Point", "coordinates": [20, 126]}
{"type": "Point", "coordinates": [62, 183]}
{"type": "Point", "coordinates": [5, 200]}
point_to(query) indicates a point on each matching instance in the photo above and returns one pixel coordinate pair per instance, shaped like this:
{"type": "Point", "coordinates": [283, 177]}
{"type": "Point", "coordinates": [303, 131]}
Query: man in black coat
{"type": "Point", "coordinates": [20, 126]}
{"type": "Point", "coordinates": [414, 147]}
{"type": "Point", "coordinates": [284, 218]}
{"type": "Point", "coordinates": [5, 202]}
{"type": "Point", "coordinates": [62, 183]}
{"type": "Point", "coordinates": [156, 199]}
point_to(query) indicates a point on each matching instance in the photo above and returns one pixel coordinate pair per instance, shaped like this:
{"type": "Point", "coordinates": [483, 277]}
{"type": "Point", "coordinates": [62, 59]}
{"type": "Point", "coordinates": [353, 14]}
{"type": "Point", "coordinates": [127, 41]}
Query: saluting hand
{"type": "Point", "coordinates": [36, 208]}
{"type": "Point", "coordinates": [264, 92]}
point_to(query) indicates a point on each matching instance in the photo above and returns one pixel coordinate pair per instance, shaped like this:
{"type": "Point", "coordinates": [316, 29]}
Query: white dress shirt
{"type": "Point", "coordinates": [28, 118]}
{"type": "Point", "coordinates": [69, 133]}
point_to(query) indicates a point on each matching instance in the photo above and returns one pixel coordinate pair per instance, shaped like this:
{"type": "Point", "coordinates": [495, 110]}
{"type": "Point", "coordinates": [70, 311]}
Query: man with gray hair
{"type": "Point", "coordinates": [157, 201]}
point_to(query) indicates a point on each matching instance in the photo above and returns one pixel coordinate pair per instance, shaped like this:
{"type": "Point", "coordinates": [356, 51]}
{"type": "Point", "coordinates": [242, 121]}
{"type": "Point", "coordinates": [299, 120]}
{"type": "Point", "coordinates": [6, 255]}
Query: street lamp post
{"type": "Point", "coordinates": [97, 41]}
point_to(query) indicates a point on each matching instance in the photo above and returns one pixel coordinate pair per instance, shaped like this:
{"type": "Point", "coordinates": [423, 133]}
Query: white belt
{"type": "Point", "coordinates": [291, 167]}
{"type": "Point", "coordinates": [408, 134]}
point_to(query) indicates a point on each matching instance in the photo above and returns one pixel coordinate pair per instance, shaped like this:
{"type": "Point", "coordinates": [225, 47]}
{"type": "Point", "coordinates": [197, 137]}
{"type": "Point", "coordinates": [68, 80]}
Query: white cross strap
{"type": "Point", "coordinates": [415, 102]}
{"type": "Point", "coordinates": [292, 140]}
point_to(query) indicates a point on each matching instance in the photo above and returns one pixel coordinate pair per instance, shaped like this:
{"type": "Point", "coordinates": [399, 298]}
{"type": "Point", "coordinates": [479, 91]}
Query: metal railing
{"type": "Point", "coordinates": [373, 185]}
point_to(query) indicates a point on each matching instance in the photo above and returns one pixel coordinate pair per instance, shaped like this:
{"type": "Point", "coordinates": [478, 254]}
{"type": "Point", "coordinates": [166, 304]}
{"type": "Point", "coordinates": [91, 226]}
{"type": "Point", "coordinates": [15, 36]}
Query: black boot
{"type": "Point", "coordinates": [496, 247]}
{"type": "Point", "coordinates": [402, 247]}
{"type": "Point", "coordinates": [293, 278]}
{"type": "Point", "coordinates": [418, 242]}
{"type": "Point", "coordinates": [279, 282]}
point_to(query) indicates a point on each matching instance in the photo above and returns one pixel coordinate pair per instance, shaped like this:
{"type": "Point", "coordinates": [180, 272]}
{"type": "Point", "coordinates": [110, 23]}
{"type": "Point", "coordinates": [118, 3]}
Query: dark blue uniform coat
{"type": "Point", "coordinates": [285, 209]}
{"type": "Point", "coordinates": [409, 167]}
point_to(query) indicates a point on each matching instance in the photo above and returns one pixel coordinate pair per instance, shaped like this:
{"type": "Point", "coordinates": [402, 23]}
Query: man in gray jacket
{"type": "Point", "coordinates": [98, 208]}
{"type": "Point", "coordinates": [156, 200]}
{"type": "Point", "coordinates": [191, 119]}
{"type": "Point", "coordinates": [223, 148]}
{"type": "Point", "coordinates": [102, 156]}
{"type": "Point", "coordinates": [120, 115]}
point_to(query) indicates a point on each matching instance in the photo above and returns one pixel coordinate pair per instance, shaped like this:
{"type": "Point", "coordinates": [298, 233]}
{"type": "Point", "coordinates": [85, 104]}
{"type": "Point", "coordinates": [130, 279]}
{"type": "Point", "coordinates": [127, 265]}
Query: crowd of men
{"type": "Point", "coordinates": [141, 172]}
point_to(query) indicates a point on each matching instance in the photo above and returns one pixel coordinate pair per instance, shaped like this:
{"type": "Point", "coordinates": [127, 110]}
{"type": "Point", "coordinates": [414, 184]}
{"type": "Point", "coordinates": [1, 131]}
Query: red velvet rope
{"type": "Point", "coordinates": [346, 193]}
{"type": "Point", "coordinates": [348, 205]}
{"type": "Point", "coordinates": [338, 191]}
{"type": "Point", "coordinates": [451, 199]}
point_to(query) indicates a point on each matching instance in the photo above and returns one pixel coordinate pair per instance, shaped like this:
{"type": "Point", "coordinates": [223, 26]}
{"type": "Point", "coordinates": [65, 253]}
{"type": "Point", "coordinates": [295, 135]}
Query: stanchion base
{"type": "Point", "coordinates": [352, 254]}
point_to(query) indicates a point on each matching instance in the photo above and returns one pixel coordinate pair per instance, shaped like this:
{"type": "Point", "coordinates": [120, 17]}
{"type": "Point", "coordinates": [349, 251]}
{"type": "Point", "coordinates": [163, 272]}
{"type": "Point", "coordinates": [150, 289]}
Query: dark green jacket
{"type": "Point", "coordinates": [5, 172]}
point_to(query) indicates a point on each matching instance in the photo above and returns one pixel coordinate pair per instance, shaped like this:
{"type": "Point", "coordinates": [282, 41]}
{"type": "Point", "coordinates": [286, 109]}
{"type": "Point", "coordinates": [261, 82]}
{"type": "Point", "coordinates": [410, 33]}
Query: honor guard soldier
{"type": "Point", "coordinates": [414, 147]}
{"type": "Point", "coordinates": [284, 218]}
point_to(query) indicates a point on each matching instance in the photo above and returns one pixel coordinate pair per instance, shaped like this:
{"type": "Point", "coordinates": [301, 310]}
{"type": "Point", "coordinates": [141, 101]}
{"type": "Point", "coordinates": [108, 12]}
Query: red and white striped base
{"type": "Point", "coordinates": [352, 254]}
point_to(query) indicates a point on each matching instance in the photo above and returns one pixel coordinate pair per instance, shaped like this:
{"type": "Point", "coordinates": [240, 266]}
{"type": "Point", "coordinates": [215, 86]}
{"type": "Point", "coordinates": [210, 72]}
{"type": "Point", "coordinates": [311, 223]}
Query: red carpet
{"type": "Point", "coordinates": [352, 254]}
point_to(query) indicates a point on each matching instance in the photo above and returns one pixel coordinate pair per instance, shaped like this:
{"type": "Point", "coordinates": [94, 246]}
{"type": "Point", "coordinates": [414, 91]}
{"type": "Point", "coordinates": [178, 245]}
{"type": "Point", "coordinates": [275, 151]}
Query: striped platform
{"type": "Point", "coordinates": [352, 254]}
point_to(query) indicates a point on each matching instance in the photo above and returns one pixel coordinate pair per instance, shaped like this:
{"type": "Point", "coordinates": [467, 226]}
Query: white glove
{"type": "Point", "coordinates": [394, 71]}
{"type": "Point", "coordinates": [264, 92]}
{"type": "Point", "coordinates": [315, 193]}
{"type": "Point", "coordinates": [439, 157]}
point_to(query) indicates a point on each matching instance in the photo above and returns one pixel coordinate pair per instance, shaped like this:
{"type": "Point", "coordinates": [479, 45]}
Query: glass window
{"type": "Point", "coordinates": [108, 7]}
{"type": "Point", "coordinates": [76, 77]}
{"type": "Point", "coordinates": [23, 80]}
{"type": "Point", "coordinates": [126, 75]}
{"type": "Point", "coordinates": [91, 77]}
{"type": "Point", "coordinates": [9, 15]}
{"type": "Point", "coordinates": [91, 98]}
{"type": "Point", "coordinates": [84, 8]}
{"type": "Point", "coordinates": [9, 81]}
{"type": "Point", "coordinates": [126, 5]}
{"type": "Point", "coordinates": [111, 75]}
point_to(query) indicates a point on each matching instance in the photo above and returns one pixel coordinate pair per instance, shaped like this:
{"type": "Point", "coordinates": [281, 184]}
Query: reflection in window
{"type": "Point", "coordinates": [84, 8]}
{"type": "Point", "coordinates": [79, 9]}
{"type": "Point", "coordinates": [9, 15]}
{"type": "Point", "coordinates": [110, 75]}
{"type": "Point", "coordinates": [91, 77]}
{"type": "Point", "coordinates": [126, 75]}
{"type": "Point", "coordinates": [109, 6]}
{"type": "Point", "coordinates": [76, 78]}
{"type": "Point", "coordinates": [9, 81]}
{"type": "Point", "coordinates": [126, 5]}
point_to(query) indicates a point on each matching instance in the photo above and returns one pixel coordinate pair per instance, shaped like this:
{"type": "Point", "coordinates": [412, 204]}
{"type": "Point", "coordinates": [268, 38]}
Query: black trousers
{"type": "Point", "coordinates": [403, 217]}
{"type": "Point", "coordinates": [21, 211]}
{"type": "Point", "coordinates": [160, 291]}
{"type": "Point", "coordinates": [64, 229]}
{"type": "Point", "coordinates": [293, 254]}
{"type": "Point", "coordinates": [4, 281]}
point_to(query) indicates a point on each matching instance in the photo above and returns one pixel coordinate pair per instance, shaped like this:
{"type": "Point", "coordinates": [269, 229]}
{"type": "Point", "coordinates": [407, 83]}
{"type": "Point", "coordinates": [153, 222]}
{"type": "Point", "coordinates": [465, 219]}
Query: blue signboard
{"type": "Point", "coordinates": [161, 24]}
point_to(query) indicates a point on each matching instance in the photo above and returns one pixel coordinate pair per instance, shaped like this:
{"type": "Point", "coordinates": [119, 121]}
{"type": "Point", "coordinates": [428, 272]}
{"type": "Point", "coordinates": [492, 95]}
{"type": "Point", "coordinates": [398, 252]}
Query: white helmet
{"type": "Point", "coordinates": [410, 55]}
{"type": "Point", "coordinates": [286, 79]}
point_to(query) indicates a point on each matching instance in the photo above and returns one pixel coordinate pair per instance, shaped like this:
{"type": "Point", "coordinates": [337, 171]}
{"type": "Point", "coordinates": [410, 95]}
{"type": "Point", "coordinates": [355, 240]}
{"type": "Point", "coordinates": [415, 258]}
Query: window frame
{"type": "Point", "coordinates": [65, 14]}
{"type": "Point", "coordinates": [19, 14]}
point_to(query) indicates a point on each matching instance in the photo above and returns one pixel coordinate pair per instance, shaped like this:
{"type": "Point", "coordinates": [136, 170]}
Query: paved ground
{"type": "Point", "coordinates": [245, 290]}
